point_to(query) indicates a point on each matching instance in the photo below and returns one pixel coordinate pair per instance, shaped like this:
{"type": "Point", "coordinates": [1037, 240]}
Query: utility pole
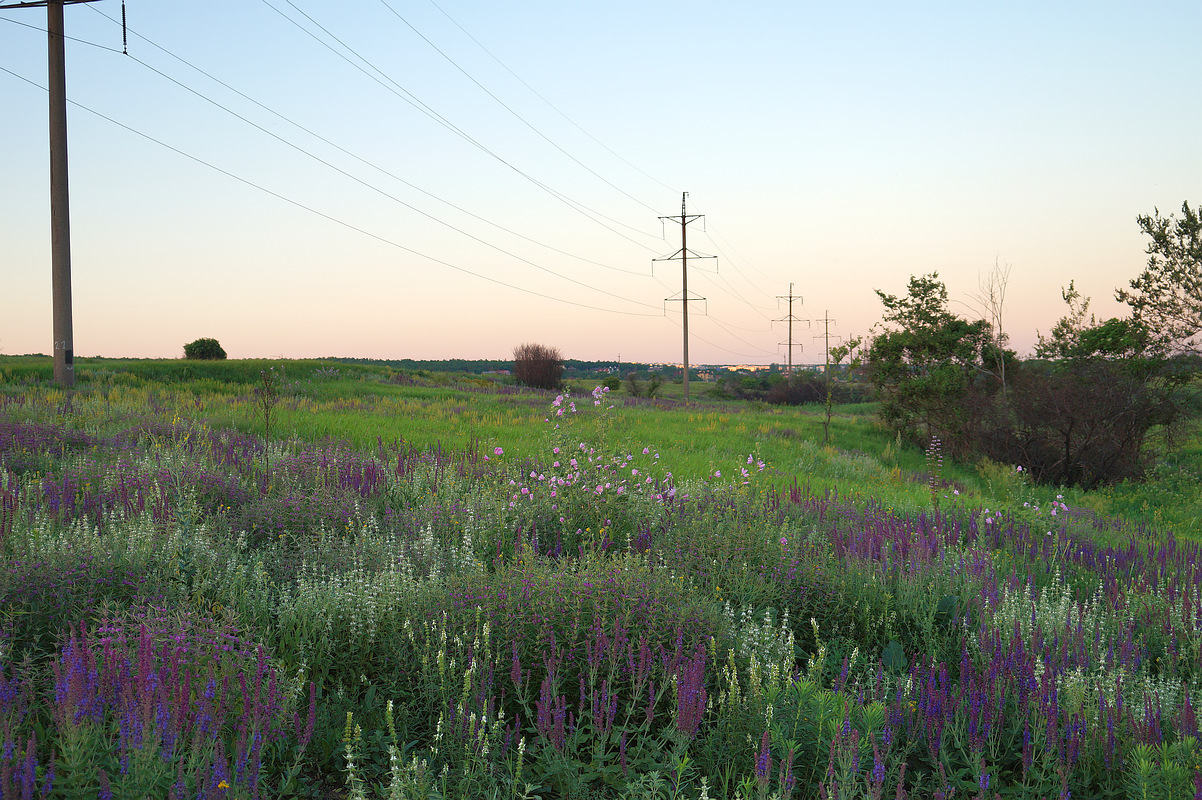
{"type": "Point", "coordinates": [826, 375]}
{"type": "Point", "coordinates": [683, 254]}
{"type": "Point", "coordinates": [790, 319]}
{"type": "Point", "coordinates": [826, 320]}
{"type": "Point", "coordinates": [60, 206]}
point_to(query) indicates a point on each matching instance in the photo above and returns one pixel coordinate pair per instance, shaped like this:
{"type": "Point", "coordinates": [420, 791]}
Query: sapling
{"type": "Point", "coordinates": [267, 396]}
{"type": "Point", "coordinates": [834, 357]}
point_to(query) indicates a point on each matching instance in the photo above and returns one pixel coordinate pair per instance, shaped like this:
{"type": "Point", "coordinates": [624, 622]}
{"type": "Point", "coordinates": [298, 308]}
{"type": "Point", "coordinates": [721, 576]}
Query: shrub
{"type": "Point", "coordinates": [633, 387]}
{"type": "Point", "coordinates": [204, 350]}
{"type": "Point", "coordinates": [797, 390]}
{"type": "Point", "coordinates": [1082, 424]}
{"type": "Point", "coordinates": [538, 366]}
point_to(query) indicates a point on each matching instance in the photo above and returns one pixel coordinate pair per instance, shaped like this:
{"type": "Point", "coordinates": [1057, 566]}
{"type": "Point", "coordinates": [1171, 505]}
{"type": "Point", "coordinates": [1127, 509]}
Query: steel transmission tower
{"type": "Point", "coordinates": [790, 319]}
{"type": "Point", "coordinates": [827, 335]}
{"type": "Point", "coordinates": [60, 206]}
{"type": "Point", "coordinates": [683, 255]}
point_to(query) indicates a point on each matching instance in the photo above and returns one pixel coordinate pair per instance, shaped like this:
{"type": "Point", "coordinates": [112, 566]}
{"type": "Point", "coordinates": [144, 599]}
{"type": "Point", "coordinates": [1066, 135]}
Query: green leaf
{"type": "Point", "coordinates": [894, 658]}
{"type": "Point", "coordinates": [945, 612]}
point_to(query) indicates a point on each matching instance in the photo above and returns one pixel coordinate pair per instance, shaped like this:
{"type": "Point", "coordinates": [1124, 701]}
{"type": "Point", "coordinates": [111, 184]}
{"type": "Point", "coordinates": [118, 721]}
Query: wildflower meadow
{"type": "Point", "coordinates": [211, 593]}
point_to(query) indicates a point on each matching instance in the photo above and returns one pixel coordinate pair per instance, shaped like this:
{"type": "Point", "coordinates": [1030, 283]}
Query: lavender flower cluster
{"type": "Point", "coordinates": [171, 700]}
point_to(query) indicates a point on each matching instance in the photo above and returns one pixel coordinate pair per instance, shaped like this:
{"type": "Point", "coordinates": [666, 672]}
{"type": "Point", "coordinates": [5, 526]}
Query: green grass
{"type": "Point", "coordinates": [365, 404]}
{"type": "Point", "coordinates": [392, 593]}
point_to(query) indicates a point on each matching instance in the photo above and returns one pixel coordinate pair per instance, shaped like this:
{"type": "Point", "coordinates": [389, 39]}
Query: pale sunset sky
{"type": "Point", "coordinates": [450, 178]}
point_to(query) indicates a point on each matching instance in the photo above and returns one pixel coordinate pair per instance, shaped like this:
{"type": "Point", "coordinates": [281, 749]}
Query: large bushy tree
{"type": "Point", "coordinates": [1086, 413]}
{"type": "Point", "coordinates": [1088, 409]}
{"type": "Point", "coordinates": [928, 362]}
{"type": "Point", "coordinates": [205, 350]}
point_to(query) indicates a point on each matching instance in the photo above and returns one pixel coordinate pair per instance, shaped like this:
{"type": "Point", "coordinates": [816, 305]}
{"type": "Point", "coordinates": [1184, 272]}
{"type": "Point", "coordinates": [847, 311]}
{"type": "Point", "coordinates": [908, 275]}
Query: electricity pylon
{"type": "Point", "coordinates": [790, 319]}
{"type": "Point", "coordinates": [827, 335]}
{"type": "Point", "coordinates": [683, 254]}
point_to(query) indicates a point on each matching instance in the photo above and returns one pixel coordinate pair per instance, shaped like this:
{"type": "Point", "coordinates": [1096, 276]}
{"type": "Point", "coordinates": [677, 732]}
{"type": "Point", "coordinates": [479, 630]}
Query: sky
{"type": "Point", "coordinates": [449, 179]}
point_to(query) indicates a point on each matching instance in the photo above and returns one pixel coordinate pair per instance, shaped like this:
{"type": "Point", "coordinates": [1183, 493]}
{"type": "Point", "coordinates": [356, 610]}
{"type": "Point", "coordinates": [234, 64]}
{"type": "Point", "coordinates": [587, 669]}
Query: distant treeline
{"type": "Point", "coordinates": [38, 366]}
{"type": "Point", "coordinates": [479, 366]}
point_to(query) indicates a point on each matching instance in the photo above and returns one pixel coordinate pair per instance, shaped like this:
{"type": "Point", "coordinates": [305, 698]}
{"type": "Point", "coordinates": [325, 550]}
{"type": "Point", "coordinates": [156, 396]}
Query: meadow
{"type": "Point", "coordinates": [303, 579]}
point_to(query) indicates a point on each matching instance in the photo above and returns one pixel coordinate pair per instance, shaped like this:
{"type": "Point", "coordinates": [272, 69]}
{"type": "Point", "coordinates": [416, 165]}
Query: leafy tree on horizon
{"type": "Point", "coordinates": [204, 350]}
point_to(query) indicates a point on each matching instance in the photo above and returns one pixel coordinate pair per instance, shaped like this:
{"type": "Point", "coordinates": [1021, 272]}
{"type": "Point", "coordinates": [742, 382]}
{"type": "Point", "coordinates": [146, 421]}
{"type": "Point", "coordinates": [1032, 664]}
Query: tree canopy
{"type": "Point", "coordinates": [928, 361]}
{"type": "Point", "coordinates": [1167, 295]}
{"type": "Point", "coordinates": [204, 350]}
{"type": "Point", "coordinates": [1084, 414]}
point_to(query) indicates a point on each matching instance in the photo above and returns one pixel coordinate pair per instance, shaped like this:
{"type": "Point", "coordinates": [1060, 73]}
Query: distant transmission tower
{"type": "Point", "coordinates": [790, 319]}
{"type": "Point", "coordinates": [683, 255]}
{"type": "Point", "coordinates": [827, 335]}
{"type": "Point", "coordinates": [60, 206]}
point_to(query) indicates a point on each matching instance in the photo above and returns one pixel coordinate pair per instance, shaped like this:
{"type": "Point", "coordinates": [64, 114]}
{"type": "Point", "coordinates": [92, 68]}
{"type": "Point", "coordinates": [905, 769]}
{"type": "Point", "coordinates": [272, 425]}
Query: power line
{"type": "Point", "coordinates": [827, 335]}
{"type": "Point", "coordinates": [383, 193]}
{"type": "Point", "coordinates": [724, 326]}
{"type": "Point", "coordinates": [742, 327]}
{"type": "Point", "coordinates": [548, 102]}
{"type": "Point", "coordinates": [735, 266]}
{"type": "Point", "coordinates": [42, 30]}
{"type": "Point", "coordinates": [738, 295]}
{"type": "Point", "coordinates": [718, 346]}
{"type": "Point", "coordinates": [341, 149]}
{"type": "Point", "coordinates": [519, 117]}
{"type": "Point", "coordinates": [412, 99]}
{"type": "Point", "coordinates": [723, 238]}
{"type": "Point", "coordinates": [715, 320]}
{"type": "Point", "coordinates": [368, 163]}
{"type": "Point", "coordinates": [331, 218]}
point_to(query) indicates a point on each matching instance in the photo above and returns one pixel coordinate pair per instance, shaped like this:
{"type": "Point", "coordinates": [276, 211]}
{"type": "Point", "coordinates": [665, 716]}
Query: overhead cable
{"type": "Point", "coordinates": [518, 116]}
{"type": "Point", "coordinates": [421, 106]}
{"type": "Point", "coordinates": [553, 107]}
{"type": "Point", "coordinates": [330, 217]}
{"type": "Point", "coordinates": [347, 152]}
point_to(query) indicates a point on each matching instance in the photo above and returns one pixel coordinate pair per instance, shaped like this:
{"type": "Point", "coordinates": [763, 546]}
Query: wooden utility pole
{"type": "Point", "coordinates": [60, 206]}
{"type": "Point", "coordinates": [683, 254]}
{"type": "Point", "coordinates": [790, 319]}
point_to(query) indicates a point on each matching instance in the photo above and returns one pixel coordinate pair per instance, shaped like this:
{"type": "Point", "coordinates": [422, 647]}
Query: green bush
{"type": "Point", "coordinates": [204, 350]}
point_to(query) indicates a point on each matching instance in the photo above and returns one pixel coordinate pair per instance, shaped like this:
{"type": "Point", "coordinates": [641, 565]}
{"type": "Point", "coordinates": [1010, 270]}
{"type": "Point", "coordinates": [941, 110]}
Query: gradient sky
{"type": "Point", "coordinates": [453, 179]}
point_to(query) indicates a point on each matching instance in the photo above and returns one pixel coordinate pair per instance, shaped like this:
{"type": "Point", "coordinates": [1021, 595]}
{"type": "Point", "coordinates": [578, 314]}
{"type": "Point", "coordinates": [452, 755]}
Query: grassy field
{"type": "Point", "coordinates": [356, 582]}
